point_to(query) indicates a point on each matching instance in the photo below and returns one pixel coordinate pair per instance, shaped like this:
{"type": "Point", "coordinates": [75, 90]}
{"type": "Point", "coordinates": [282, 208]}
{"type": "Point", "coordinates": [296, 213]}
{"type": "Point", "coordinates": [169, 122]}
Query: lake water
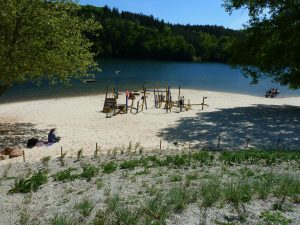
{"type": "Point", "coordinates": [134, 73]}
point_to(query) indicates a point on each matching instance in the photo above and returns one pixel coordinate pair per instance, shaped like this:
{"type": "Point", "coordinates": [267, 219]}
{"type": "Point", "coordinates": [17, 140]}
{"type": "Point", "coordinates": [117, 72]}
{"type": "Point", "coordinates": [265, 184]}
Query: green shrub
{"type": "Point", "coordinates": [175, 178]}
{"type": "Point", "coordinates": [130, 164]}
{"type": "Point", "coordinates": [179, 198]}
{"type": "Point", "coordinates": [30, 184]}
{"type": "Point", "coordinates": [272, 218]}
{"type": "Point", "coordinates": [210, 192]}
{"type": "Point", "coordinates": [89, 171]}
{"type": "Point", "coordinates": [84, 207]}
{"type": "Point", "coordinates": [109, 167]}
{"type": "Point", "coordinates": [61, 220]}
{"type": "Point", "coordinates": [287, 186]}
{"type": "Point", "coordinates": [157, 210]}
{"type": "Point", "coordinates": [115, 213]}
{"type": "Point", "coordinates": [264, 185]}
{"type": "Point", "coordinates": [65, 175]}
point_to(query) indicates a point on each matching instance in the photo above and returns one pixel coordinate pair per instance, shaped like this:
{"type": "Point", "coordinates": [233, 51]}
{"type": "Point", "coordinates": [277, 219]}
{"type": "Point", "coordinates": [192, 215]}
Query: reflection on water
{"type": "Point", "coordinates": [134, 73]}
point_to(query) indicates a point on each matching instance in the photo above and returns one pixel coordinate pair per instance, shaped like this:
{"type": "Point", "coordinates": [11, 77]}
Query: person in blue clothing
{"type": "Point", "coordinates": [52, 138]}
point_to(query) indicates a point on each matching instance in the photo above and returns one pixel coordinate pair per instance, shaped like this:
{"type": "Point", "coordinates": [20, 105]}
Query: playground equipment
{"type": "Point", "coordinates": [162, 99]}
{"type": "Point", "coordinates": [112, 108]}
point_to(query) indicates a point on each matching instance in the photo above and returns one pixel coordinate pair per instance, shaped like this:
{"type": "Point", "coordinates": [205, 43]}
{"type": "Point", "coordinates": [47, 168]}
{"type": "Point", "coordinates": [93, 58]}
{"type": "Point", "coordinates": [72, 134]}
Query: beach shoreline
{"type": "Point", "coordinates": [81, 124]}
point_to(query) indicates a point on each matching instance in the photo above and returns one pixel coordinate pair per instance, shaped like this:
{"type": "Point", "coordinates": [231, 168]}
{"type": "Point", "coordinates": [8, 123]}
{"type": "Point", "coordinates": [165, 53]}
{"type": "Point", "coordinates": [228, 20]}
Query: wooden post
{"type": "Point", "coordinates": [145, 99]}
{"type": "Point", "coordinates": [167, 99]}
{"type": "Point", "coordinates": [160, 144]}
{"type": "Point", "coordinates": [24, 156]}
{"type": "Point", "coordinates": [219, 142]}
{"type": "Point", "coordinates": [155, 100]}
{"type": "Point", "coordinates": [96, 146]}
{"type": "Point", "coordinates": [170, 99]}
{"type": "Point", "coordinates": [137, 107]}
{"type": "Point", "coordinates": [247, 142]}
{"type": "Point", "coordinates": [189, 105]}
{"type": "Point", "coordinates": [106, 91]}
{"type": "Point", "coordinates": [278, 142]}
{"type": "Point", "coordinates": [203, 103]}
{"type": "Point", "coordinates": [189, 145]}
{"type": "Point", "coordinates": [105, 97]}
{"type": "Point", "coordinates": [126, 104]}
{"type": "Point", "coordinates": [61, 151]}
{"type": "Point", "coordinates": [178, 96]}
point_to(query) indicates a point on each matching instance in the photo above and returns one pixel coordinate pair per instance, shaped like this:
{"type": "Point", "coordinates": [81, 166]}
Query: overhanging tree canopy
{"type": "Point", "coordinates": [270, 44]}
{"type": "Point", "coordinates": [43, 39]}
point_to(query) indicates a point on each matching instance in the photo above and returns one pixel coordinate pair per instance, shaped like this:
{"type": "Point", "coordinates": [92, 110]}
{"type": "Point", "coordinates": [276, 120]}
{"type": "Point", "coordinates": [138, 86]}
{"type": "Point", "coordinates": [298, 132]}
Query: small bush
{"type": "Point", "coordinates": [30, 184]}
{"type": "Point", "coordinates": [264, 185]}
{"type": "Point", "coordinates": [175, 178]}
{"type": "Point", "coordinates": [191, 176]}
{"type": "Point", "coordinates": [179, 198]}
{"type": "Point", "coordinates": [115, 213]}
{"type": "Point", "coordinates": [61, 220]}
{"type": "Point", "coordinates": [270, 218]}
{"type": "Point", "coordinates": [210, 192]}
{"type": "Point", "coordinates": [157, 210]}
{"type": "Point", "coordinates": [89, 171]}
{"type": "Point", "coordinates": [65, 175]}
{"type": "Point", "coordinates": [109, 167]}
{"type": "Point", "coordinates": [84, 207]}
{"type": "Point", "coordinates": [287, 186]}
{"type": "Point", "coordinates": [130, 164]}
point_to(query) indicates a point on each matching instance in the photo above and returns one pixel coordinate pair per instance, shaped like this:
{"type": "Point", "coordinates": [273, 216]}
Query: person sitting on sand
{"type": "Point", "coordinates": [52, 138]}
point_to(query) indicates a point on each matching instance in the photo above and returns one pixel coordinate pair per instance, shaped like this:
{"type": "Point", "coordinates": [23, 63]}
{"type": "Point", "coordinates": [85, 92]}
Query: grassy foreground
{"type": "Point", "coordinates": [188, 187]}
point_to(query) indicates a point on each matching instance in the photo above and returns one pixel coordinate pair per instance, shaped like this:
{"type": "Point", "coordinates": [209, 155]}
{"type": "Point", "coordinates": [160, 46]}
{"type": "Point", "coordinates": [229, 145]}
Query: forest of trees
{"type": "Point", "coordinates": [126, 34]}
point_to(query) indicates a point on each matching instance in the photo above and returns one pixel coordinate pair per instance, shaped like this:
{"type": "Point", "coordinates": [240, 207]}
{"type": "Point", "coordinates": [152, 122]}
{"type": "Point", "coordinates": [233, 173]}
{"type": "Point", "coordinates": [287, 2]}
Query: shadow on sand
{"type": "Point", "coordinates": [17, 134]}
{"type": "Point", "coordinates": [262, 124]}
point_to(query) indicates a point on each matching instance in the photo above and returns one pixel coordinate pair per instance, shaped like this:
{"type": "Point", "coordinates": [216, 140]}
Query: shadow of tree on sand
{"type": "Point", "coordinates": [17, 134]}
{"type": "Point", "coordinates": [262, 124]}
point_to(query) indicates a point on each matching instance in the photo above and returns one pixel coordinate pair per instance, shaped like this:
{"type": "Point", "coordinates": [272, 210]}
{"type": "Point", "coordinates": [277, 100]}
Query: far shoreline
{"type": "Point", "coordinates": [41, 98]}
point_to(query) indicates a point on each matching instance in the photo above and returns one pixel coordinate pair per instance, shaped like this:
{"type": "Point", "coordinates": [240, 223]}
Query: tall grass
{"type": "Point", "coordinates": [31, 184]}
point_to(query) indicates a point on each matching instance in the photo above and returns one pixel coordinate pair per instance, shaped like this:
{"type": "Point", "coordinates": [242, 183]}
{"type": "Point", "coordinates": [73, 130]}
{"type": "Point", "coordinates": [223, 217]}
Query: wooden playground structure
{"type": "Point", "coordinates": [162, 99]}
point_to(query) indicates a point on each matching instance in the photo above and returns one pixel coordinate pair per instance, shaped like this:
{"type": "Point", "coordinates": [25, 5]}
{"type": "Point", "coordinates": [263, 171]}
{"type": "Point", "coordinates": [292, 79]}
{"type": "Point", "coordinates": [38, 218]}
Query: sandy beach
{"type": "Point", "coordinates": [235, 118]}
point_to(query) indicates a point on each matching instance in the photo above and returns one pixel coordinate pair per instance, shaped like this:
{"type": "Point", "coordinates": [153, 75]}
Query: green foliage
{"type": "Point", "coordinates": [237, 193]}
{"type": "Point", "coordinates": [179, 198]}
{"type": "Point", "coordinates": [109, 167]}
{"type": "Point", "coordinates": [31, 184]}
{"type": "Point", "coordinates": [116, 213]}
{"type": "Point", "coordinates": [134, 35]}
{"type": "Point", "coordinates": [269, 46]}
{"type": "Point", "coordinates": [274, 218]}
{"type": "Point", "coordinates": [61, 220]}
{"type": "Point", "coordinates": [264, 185]}
{"type": "Point", "coordinates": [190, 177]}
{"type": "Point", "coordinates": [210, 192]}
{"type": "Point", "coordinates": [157, 210]}
{"type": "Point", "coordinates": [65, 175]}
{"type": "Point", "coordinates": [130, 164]}
{"type": "Point", "coordinates": [175, 178]}
{"type": "Point", "coordinates": [84, 207]}
{"type": "Point", "coordinates": [257, 157]}
{"type": "Point", "coordinates": [43, 40]}
{"type": "Point", "coordinates": [89, 171]}
{"type": "Point", "coordinates": [287, 186]}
